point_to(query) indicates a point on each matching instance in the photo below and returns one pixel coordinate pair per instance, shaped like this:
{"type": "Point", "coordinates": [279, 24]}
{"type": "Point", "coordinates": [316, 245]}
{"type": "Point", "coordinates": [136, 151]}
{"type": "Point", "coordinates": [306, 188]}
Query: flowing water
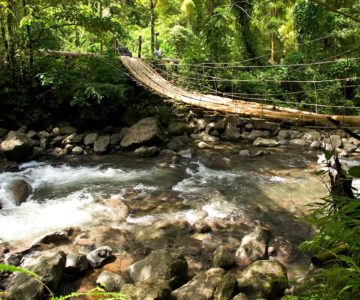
{"type": "Point", "coordinates": [272, 190]}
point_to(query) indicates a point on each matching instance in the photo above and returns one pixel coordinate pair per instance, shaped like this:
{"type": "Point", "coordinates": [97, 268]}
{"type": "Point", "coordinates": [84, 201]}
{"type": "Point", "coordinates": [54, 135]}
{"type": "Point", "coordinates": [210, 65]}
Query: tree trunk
{"type": "Point", "coordinates": [11, 41]}
{"type": "Point", "coordinates": [4, 39]}
{"type": "Point", "coordinates": [152, 24]}
{"type": "Point", "coordinates": [242, 10]}
{"type": "Point", "coordinates": [273, 40]}
{"type": "Point", "coordinates": [101, 33]}
{"type": "Point", "coordinates": [30, 42]}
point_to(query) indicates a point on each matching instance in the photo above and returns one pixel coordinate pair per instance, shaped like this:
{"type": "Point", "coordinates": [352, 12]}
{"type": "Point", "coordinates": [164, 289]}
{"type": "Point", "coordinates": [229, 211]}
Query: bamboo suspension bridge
{"type": "Point", "coordinates": [145, 75]}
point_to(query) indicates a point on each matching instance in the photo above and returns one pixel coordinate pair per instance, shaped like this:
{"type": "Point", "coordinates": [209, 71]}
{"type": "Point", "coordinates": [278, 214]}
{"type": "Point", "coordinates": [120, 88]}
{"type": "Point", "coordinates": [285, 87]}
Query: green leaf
{"type": "Point", "coordinates": [11, 268]}
{"type": "Point", "coordinates": [355, 171]}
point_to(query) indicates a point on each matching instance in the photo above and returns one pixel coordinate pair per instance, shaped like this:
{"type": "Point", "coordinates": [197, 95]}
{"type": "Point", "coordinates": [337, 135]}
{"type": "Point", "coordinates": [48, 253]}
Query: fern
{"type": "Point", "coordinates": [96, 292]}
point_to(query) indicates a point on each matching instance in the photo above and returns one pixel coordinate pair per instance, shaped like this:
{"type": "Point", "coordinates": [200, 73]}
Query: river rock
{"type": "Point", "coordinates": [73, 139]}
{"type": "Point", "coordinates": [76, 263]}
{"type": "Point", "coordinates": [146, 291]}
{"type": "Point", "coordinates": [178, 128]}
{"type": "Point", "coordinates": [201, 124]}
{"type": "Point", "coordinates": [43, 134]}
{"type": "Point", "coordinates": [110, 281]}
{"type": "Point", "coordinates": [240, 296]}
{"type": "Point", "coordinates": [335, 141]}
{"type": "Point", "coordinates": [115, 138]}
{"type": "Point", "coordinates": [265, 125]}
{"type": "Point", "coordinates": [55, 131]}
{"type": "Point", "coordinates": [145, 131]}
{"type": "Point", "coordinates": [210, 127]}
{"type": "Point", "coordinates": [253, 246]}
{"type": "Point", "coordinates": [49, 267]}
{"type": "Point", "coordinates": [261, 142]}
{"type": "Point", "coordinates": [244, 153]}
{"type": "Point", "coordinates": [203, 136]}
{"type": "Point", "coordinates": [55, 237]}
{"type": "Point", "coordinates": [284, 250]}
{"type": "Point", "coordinates": [354, 141]}
{"type": "Point", "coordinates": [175, 144]}
{"type": "Point", "coordinates": [254, 134]}
{"type": "Point", "coordinates": [284, 134]}
{"type": "Point", "coordinates": [77, 150]}
{"type": "Point", "coordinates": [68, 148]}
{"type": "Point", "coordinates": [297, 142]}
{"type": "Point", "coordinates": [31, 134]}
{"type": "Point", "coordinates": [147, 151]}
{"type": "Point", "coordinates": [23, 129]}
{"type": "Point", "coordinates": [118, 210]}
{"type": "Point", "coordinates": [223, 257]}
{"type": "Point", "coordinates": [203, 145]}
{"type": "Point", "coordinates": [97, 257]}
{"type": "Point", "coordinates": [44, 143]}
{"type": "Point", "coordinates": [211, 284]}
{"type": "Point", "coordinates": [349, 147]}
{"type": "Point", "coordinates": [231, 133]}
{"type": "Point", "coordinates": [187, 153]}
{"type": "Point", "coordinates": [8, 166]}
{"type": "Point", "coordinates": [263, 279]}
{"type": "Point", "coordinates": [312, 135]}
{"type": "Point", "coordinates": [17, 146]}
{"type": "Point", "coordinates": [90, 139]}
{"type": "Point", "coordinates": [20, 190]}
{"type": "Point", "coordinates": [65, 130]}
{"type": "Point", "coordinates": [56, 141]}
{"type": "Point", "coordinates": [102, 143]}
{"type": "Point", "coordinates": [220, 125]}
{"type": "Point", "coordinates": [315, 145]}
{"type": "Point", "coordinates": [161, 265]}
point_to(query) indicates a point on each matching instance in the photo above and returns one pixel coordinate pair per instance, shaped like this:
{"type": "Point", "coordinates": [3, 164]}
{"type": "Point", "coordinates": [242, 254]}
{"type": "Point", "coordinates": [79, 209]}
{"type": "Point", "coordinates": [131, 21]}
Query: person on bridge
{"type": "Point", "coordinates": [158, 53]}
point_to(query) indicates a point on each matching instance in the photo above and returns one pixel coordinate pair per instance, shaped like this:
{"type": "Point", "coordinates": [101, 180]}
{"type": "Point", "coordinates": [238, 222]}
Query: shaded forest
{"type": "Point", "coordinates": [295, 52]}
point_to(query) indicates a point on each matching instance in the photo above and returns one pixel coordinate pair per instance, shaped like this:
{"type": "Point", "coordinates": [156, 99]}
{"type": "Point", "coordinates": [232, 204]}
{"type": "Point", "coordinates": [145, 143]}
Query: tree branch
{"type": "Point", "coordinates": [334, 10]}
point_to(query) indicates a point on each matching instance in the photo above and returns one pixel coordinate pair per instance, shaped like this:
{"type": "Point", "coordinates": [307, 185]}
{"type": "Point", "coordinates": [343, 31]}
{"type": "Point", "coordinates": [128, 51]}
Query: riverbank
{"type": "Point", "coordinates": [225, 205]}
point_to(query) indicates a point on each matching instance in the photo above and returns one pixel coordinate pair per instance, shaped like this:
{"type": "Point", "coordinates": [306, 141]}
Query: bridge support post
{"type": "Point", "coordinates": [139, 46]}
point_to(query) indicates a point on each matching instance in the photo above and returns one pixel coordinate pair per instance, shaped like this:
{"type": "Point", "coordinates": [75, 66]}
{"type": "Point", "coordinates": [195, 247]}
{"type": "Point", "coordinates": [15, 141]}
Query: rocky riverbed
{"type": "Point", "coordinates": [206, 209]}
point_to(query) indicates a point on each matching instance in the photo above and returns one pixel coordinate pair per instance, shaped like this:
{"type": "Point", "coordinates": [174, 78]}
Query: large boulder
{"type": "Point", "coordinates": [263, 279]}
{"type": "Point", "coordinates": [17, 146]}
{"type": "Point", "coordinates": [211, 284]}
{"type": "Point", "coordinates": [20, 191]}
{"type": "Point", "coordinates": [49, 267]}
{"type": "Point", "coordinates": [161, 265]}
{"type": "Point", "coordinates": [253, 246]}
{"type": "Point", "coordinates": [144, 132]}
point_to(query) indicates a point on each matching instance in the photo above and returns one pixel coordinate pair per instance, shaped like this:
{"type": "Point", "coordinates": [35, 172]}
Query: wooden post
{"type": "Point", "coordinates": [139, 46]}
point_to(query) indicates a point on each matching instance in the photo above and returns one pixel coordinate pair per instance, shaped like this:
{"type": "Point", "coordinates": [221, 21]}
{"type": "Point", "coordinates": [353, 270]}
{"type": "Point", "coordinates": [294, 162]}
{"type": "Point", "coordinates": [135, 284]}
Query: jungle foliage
{"type": "Point", "coordinates": [270, 35]}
